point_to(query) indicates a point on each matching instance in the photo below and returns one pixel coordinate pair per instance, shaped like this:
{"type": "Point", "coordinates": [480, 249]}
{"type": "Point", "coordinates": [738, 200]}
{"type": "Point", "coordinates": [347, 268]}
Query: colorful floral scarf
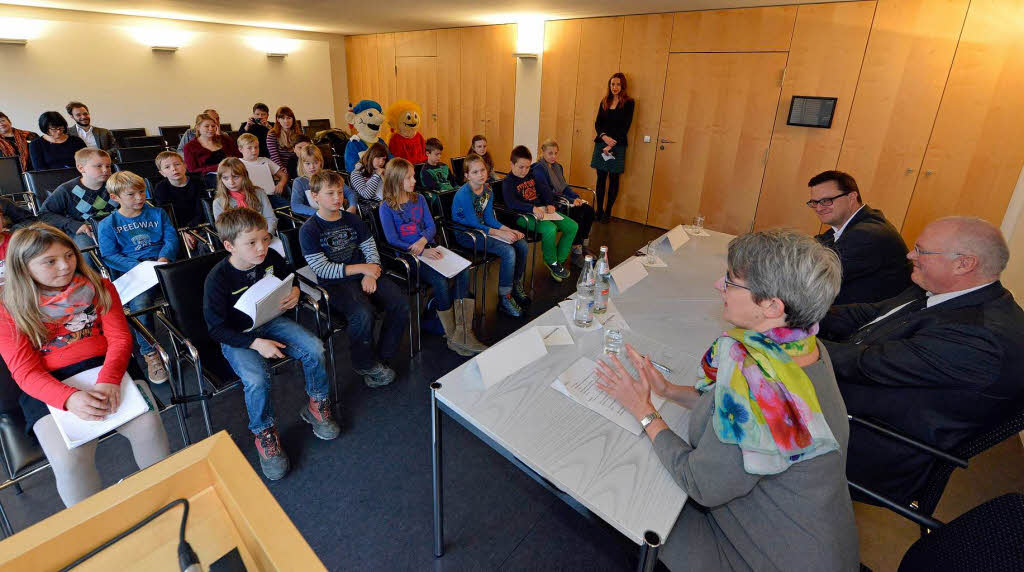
{"type": "Point", "coordinates": [20, 147]}
{"type": "Point", "coordinates": [764, 402]}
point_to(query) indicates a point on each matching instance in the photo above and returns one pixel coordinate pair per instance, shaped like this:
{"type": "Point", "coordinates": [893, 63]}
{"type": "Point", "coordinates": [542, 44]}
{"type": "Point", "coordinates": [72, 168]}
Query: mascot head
{"type": "Point", "coordinates": [366, 118]}
{"type": "Point", "coordinates": [404, 117]}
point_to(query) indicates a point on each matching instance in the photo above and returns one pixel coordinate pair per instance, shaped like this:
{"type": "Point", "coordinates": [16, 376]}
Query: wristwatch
{"type": "Point", "coordinates": [648, 419]}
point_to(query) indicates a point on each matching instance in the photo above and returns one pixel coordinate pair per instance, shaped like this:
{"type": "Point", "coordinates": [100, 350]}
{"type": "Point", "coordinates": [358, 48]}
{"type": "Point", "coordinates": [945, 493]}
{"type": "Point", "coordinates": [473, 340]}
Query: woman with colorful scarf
{"type": "Point", "coordinates": [764, 459]}
{"type": "Point", "coordinates": [14, 142]}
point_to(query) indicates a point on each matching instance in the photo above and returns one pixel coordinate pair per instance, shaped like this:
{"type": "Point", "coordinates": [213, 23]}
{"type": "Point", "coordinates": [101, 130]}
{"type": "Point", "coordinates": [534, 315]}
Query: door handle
{"type": "Point", "coordinates": [910, 170]}
{"type": "Point", "coordinates": [928, 172]}
{"type": "Point", "coordinates": [665, 141]}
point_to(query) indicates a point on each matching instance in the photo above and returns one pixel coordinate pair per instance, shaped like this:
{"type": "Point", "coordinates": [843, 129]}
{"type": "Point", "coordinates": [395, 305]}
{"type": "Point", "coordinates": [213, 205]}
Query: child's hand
{"type": "Point", "coordinates": [538, 212]}
{"type": "Point", "coordinates": [110, 393]}
{"type": "Point", "coordinates": [417, 247]}
{"type": "Point", "coordinates": [84, 229]}
{"type": "Point", "coordinates": [577, 202]}
{"type": "Point", "coordinates": [190, 241]}
{"type": "Point", "coordinates": [433, 254]}
{"type": "Point", "coordinates": [163, 259]}
{"type": "Point", "coordinates": [372, 270]}
{"type": "Point", "coordinates": [292, 300]}
{"type": "Point", "coordinates": [549, 208]}
{"type": "Point", "coordinates": [516, 235]}
{"type": "Point", "coordinates": [87, 406]}
{"type": "Point", "coordinates": [369, 284]}
{"type": "Point", "coordinates": [269, 349]}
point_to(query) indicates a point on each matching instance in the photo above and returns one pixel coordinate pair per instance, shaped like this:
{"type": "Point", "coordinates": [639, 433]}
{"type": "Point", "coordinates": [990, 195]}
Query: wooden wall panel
{"type": "Point", "coordinates": [901, 82]}
{"type": "Point", "coordinates": [739, 30]}
{"type": "Point", "coordinates": [417, 81]}
{"type": "Point", "coordinates": [600, 47]}
{"type": "Point", "coordinates": [362, 63]}
{"type": "Point", "coordinates": [387, 70]}
{"type": "Point", "coordinates": [449, 88]}
{"type": "Point", "coordinates": [500, 110]}
{"type": "Point", "coordinates": [824, 60]}
{"type": "Point", "coordinates": [421, 43]}
{"type": "Point", "coordinates": [474, 85]}
{"type": "Point", "coordinates": [976, 152]}
{"type": "Point", "coordinates": [644, 59]}
{"type": "Point", "coordinates": [558, 86]}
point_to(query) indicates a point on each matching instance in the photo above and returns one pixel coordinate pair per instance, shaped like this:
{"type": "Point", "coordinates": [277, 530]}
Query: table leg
{"type": "Point", "coordinates": [435, 461]}
{"type": "Point", "coordinates": [649, 552]}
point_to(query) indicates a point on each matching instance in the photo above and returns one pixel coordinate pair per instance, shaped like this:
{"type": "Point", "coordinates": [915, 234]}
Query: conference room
{"type": "Point", "coordinates": [454, 286]}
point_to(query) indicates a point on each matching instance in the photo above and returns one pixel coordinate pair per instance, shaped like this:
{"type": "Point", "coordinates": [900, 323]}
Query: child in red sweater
{"type": "Point", "coordinates": [60, 318]}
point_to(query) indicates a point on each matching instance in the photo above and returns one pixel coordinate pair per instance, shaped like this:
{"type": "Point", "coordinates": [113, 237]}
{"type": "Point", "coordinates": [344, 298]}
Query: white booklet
{"type": "Point", "coordinates": [498, 238]}
{"type": "Point", "coordinates": [552, 216]}
{"type": "Point", "coordinates": [677, 237]}
{"type": "Point", "coordinates": [262, 301]}
{"type": "Point", "coordinates": [628, 273]}
{"type": "Point", "coordinates": [77, 431]}
{"type": "Point", "coordinates": [511, 355]}
{"type": "Point", "coordinates": [449, 265]}
{"type": "Point", "coordinates": [137, 280]}
{"type": "Point", "coordinates": [579, 383]}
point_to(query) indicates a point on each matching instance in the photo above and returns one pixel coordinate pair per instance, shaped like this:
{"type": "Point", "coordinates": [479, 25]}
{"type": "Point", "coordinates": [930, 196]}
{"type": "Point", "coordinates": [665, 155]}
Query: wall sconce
{"type": "Point", "coordinates": [161, 39]}
{"type": "Point", "coordinates": [18, 31]}
{"type": "Point", "coordinates": [273, 55]}
{"type": "Point", "coordinates": [275, 47]}
{"type": "Point", "coordinates": [164, 49]}
{"type": "Point", "coordinates": [529, 37]}
{"type": "Point", "coordinates": [14, 41]}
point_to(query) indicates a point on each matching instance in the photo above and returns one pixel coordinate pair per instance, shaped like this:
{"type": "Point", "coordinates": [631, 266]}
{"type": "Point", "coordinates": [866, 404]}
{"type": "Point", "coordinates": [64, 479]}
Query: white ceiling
{"type": "Point", "coordinates": [358, 17]}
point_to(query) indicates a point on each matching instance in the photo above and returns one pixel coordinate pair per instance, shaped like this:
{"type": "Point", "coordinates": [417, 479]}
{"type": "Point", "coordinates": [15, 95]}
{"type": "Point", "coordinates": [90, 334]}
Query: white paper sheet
{"type": "Point", "coordinates": [555, 335]}
{"type": "Point", "coordinates": [503, 359]}
{"type": "Point", "coordinates": [449, 265]}
{"type": "Point", "coordinates": [611, 318]}
{"type": "Point", "coordinates": [262, 301]}
{"type": "Point", "coordinates": [552, 216]}
{"type": "Point", "coordinates": [579, 383]}
{"type": "Point", "coordinates": [694, 231]}
{"type": "Point", "coordinates": [137, 280]}
{"type": "Point", "coordinates": [677, 237]}
{"type": "Point", "coordinates": [628, 273]}
{"type": "Point", "coordinates": [277, 245]}
{"type": "Point", "coordinates": [77, 431]}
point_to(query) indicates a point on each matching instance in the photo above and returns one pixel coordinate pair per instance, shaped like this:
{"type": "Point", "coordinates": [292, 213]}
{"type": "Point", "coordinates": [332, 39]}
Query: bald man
{"type": "Point", "coordinates": [940, 362]}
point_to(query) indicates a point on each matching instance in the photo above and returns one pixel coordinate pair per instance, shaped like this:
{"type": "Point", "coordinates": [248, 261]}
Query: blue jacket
{"type": "Point", "coordinates": [354, 147]}
{"type": "Point", "coordinates": [472, 210]}
{"type": "Point", "coordinates": [124, 241]}
{"type": "Point", "coordinates": [405, 227]}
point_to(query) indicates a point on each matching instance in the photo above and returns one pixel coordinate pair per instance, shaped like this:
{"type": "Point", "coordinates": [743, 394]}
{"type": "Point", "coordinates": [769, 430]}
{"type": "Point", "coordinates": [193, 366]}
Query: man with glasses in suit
{"type": "Point", "coordinates": [940, 362]}
{"type": "Point", "coordinates": [870, 249]}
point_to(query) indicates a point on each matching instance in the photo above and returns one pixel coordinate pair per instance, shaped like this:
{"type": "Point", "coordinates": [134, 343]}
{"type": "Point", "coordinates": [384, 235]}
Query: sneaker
{"type": "Point", "coordinates": [318, 414]}
{"type": "Point", "coordinates": [508, 305]}
{"type": "Point", "coordinates": [157, 372]}
{"type": "Point", "coordinates": [273, 461]}
{"type": "Point", "coordinates": [558, 272]}
{"type": "Point", "coordinates": [519, 293]}
{"type": "Point", "coordinates": [377, 376]}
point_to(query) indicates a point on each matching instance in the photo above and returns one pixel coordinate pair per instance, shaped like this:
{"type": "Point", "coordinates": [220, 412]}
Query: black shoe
{"type": "Point", "coordinates": [519, 293]}
{"type": "Point", "coordinates": [558, 272]}
{"type": "Point", "coordinates": [606, 218]}
{"type": "Point", "coordinates": [508, 305]}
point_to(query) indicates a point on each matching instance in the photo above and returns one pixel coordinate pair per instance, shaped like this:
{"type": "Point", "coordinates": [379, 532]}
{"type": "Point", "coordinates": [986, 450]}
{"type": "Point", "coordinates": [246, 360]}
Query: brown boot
{"type": "Point", "coordinates": [451, 331]}
{"type": "Point", "coordinates": [464, 325]}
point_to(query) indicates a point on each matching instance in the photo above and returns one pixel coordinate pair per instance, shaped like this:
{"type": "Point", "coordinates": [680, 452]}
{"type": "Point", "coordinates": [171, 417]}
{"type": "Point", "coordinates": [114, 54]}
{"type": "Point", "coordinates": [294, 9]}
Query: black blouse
{"type": "Point", "coordinates": [614, 122]}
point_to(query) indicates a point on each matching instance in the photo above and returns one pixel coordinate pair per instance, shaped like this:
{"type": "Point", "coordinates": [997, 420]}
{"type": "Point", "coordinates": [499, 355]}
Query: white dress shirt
{"type": "Point", "coordinates": [934, 299]}
{"type": "Point", "coordinates": [839, 231]}
{"type": "Point", "coordinates": [86, 135]}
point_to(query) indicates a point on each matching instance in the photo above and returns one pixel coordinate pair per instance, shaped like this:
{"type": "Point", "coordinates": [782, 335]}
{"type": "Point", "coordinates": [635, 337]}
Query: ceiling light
{"type": "Point", "coordinates": [17, 31]}
{"type": "Point", "coordinates": [529, 36]}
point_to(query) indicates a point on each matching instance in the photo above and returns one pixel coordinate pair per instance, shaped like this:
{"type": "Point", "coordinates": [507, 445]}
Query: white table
{"type": "Point", "coordinates": [590, 462]}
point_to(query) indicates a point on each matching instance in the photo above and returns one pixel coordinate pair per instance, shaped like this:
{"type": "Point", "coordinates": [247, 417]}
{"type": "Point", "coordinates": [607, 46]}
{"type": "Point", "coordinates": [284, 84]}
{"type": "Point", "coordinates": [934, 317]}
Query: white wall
{"type": "Point", "coordinates": [98, 59]}
{"type": "Point", "coordinates": [526, 127]}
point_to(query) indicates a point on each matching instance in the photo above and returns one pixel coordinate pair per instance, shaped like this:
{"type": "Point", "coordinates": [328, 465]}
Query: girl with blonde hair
{"type": "Point", "coordinates": [235, 189]}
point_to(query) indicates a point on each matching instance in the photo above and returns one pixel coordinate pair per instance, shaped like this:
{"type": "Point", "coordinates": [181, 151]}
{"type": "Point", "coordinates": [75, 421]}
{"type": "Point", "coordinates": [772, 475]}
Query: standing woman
{"type": "Point", "coordinates": [204, 153]}
{"type": "Point", "coordinates": [55, 149]}
{"type": "Point", "coordinates": [14, 142]}
{"type": "Point", "coordinates": [281, 139]}
{"type": "Point", "coordinates": [614, 117]}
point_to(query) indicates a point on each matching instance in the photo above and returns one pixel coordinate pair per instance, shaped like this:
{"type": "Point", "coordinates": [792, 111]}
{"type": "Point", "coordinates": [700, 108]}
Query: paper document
{"type": "Point", "coordinates": [628, 273]}
{"type": "Point", "coordinates": [555, 335]}
{"type": "Point", "coordinates": [579, 383]}
{"type": "Point", "coordinates": [307, 273]}
{"type": "Point", "coordinates": [449, 265]}
{"type": "Point", "coordinates": [607, 156]}
{"type": "Point", "coordinates": [137, 280]}
{"type": "Point", "coordinates": [677, 237]}
{"type": "Point", "coordinates": [511, 355]}
{"type": "Point", "coordinates": [552, 216]}
{"type": "Point", "coordinates": [498, 238]}
{"type": "Point", "coordinates": [277, 245]}
{"type": "Point", "coordinates": [77, 431]}
{"type": "Point", "coordinates": [262, 301]}
{"type": "Point", "coordinates": [611, 318]}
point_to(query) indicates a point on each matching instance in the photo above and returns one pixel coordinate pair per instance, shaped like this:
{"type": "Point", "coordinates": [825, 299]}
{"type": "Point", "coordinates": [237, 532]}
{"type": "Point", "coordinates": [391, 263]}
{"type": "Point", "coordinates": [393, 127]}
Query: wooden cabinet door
{"type": "Point", "coordinates": [417, 81]}
{"type": "Point", "coordinates": [558, 86]}
{"type": "Point", "coordinates": [499, 71]}
{"type": "Point", "coordinates": [909, 55]}
{"type": "Point", "coordinates": [716, 124]}
{"type": "Point", "coordinates": [449, 88]}
{"type": "Point", "coordinates": [600, 46]}
{"type": "Point", "coordinates": [475, 54]}
{"type": "Point", "coordinates": [976, 150]}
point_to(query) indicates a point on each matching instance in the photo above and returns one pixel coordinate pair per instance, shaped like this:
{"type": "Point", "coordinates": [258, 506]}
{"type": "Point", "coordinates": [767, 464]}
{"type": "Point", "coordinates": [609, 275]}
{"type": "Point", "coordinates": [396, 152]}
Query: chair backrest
{"type": "Point", "coordinates": [42, 183]}
{"type": "Point", "coordinates": [173, 133]}
{"type": "Point", "coordinates": [121, 134]}
{"type": "Point", "coordinates": [183, 284]}
{"type": "Point", "coordinates": [292, 249]}
{"type": "Point", "coordinates": [10, 176]}
{"type": "Point", "coordinates": [418, 169]}
{"type": "Point", "coordinates": [457, 174]}
{"type": "Point", "coordinates": [145, 141]}
{"type": "Point", "coordinates": [225, 127]}
{"type": "Point", "coordinates": [169, 209]}
{"type": "Point", "coordinates": [131, 154]}
{"type": "Point", "coordinates": [145, 169]}
{"type": "Point", "coordinates": [208, 211]}
{"type": "Point", "coordinates": [319, 124]}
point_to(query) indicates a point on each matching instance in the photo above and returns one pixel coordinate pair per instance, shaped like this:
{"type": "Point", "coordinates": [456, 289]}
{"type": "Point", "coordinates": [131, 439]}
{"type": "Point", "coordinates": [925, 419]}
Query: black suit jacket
{"type": "Point", "coordinates": [873, 256]}
{"type": "Point", "coordinates": [941, 374]}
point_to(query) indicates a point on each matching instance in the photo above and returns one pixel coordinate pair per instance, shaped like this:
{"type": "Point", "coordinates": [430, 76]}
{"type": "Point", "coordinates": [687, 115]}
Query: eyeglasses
{"type": "Point", "coordinates": [731, 283]}
{"type": "Point", "coordinates": [920, 252]}
{"type": "Point", "coordinates": [827, 202]}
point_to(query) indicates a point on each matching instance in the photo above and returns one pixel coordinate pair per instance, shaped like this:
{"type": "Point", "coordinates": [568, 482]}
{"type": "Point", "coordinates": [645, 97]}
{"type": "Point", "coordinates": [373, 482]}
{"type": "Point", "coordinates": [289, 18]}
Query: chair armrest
{"type": "Point", "coordinates": [593, 193]}
{"type": "Point", "coordinates": [287, 213]}
{"type": "Point", "coordinates": [892, 433]}
{"type": "Point", "coordinates": [178, 335]}
{"type": "Point", "coordinates": [93, 252]}
{"type": "Point", "coordinates": [908, 513]}
{"type": "Point", "coordinates": [478, 245]}
{"type": "Point", "coordinates": [406, 260]}
{"type": "Point", "coordinates": [28, 198]}
{"type": "Point", "coordinates": [136, 324]}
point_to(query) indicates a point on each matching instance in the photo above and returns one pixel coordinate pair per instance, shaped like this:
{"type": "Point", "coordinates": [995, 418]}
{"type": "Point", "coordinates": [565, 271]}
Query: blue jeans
{"type": "Point", "coordinates": [145, 300]}
{"type": "Point", "coordinates": [278, 201]}
{"type": "Point", "coordinates": [513, 258]}
{"type": "Point", "coordinates": [347, 297]}
{"type": "Point", "coordinates": [442, 293]}
{"type": "Point", "coordinates": [251, 367]}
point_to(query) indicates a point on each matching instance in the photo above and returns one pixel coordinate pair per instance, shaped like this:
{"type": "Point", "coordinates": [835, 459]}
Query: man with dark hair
{"type": "Point", "coordinates": [258, 125]}
{"type": "Point", "coordinates": [95, 137]}
{"type": "Point", "coordinates": [872, 253]}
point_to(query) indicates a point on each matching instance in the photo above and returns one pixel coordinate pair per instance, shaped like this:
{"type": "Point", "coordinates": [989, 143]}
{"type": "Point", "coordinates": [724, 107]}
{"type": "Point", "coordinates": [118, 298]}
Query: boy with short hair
{"type": "Point", "coordinates": [76, 203]}
{"type": "Point", "coordinates": [264, 173]}
{"type": "Point", "coordinates": [245, 235]}
{"type": "Point", "coordinates": [434, 175]}
{"type": "Point", "coordinates": [340, 250]}
{"type": "Point", "coordinates": [137, 232]}
{"type": "Point", "coordinates": [522, 194]}
{"type": "Point", "coordinates": [258, 125]}
{"type": "Point", "coordinates": [179, 190]}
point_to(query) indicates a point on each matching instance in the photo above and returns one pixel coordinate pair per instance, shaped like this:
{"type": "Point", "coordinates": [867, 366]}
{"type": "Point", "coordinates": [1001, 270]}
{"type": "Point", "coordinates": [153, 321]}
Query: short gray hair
{"type": "Point", "coordinates": [791, 266]}
{"type": "Point", "coordinates": [980, 238]}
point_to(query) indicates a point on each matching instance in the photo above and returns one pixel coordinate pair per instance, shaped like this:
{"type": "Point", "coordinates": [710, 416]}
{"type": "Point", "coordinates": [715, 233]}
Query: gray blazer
{"type": "Point", "coordinates": [104, 138]}
{"type": "Point", "coordinates": [799, 519]}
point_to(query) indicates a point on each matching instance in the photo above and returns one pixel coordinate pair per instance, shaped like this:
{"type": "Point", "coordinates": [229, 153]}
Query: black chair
{"type": "Point", "coordinates": [120, 135]}
{"type": "Point", "coordinates": [42, 183]}
{"type": "Point", "coordinates": [146, 141]}
{"type": "Point", "coordinates": [508, 217]}
{"type": "Point", "coordinates": [172, 133]}
{"type": "Point", "coordinates": [319, 124]}
{"type": "Point", "coordinates": [330, 160]}
{"type": "Point", "coordinates": [132, 154]}
{"type": "Point", "coordinates": [145, 169]}
{"type": "Point", "coordinates": [233, 135]}
{"type": "Point", "coordinates": [457, 173]}
{"type": "Point", "coordinates": [225, 127]}
{"type": "Point", "coordinates": [404, 268]}
{"type": "Point", "coordinates": [12, 185]}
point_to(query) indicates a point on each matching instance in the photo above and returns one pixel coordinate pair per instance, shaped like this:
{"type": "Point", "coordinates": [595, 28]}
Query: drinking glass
{"type": "Point", "coordinates": [613, 342]}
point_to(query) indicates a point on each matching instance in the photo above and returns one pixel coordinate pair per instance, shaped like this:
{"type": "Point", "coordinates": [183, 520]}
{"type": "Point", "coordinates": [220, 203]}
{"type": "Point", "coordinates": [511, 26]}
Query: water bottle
{"type": "Point", "coordinates": [583, 315]}
{"type": "Point", "coordinates": [603, 283]}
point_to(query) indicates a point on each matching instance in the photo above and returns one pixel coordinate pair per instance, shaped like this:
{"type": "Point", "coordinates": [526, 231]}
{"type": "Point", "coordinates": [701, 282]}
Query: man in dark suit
{"type": "Point", "coordinates": [941, 362]}
{"type": "Point", "coordinates": [93, 136]}
{"type": "Point", "coordinates": [870, 249]}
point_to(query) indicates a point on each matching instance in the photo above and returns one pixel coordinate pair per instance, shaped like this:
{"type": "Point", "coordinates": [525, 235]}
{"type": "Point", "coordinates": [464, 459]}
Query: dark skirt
{"type": "Point", "coordinates": [616, 165]}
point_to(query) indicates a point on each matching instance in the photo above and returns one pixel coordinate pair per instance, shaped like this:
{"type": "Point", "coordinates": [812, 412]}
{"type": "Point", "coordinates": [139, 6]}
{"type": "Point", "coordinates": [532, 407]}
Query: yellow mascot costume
{"type": "Point", "coordinates": [406, 142]}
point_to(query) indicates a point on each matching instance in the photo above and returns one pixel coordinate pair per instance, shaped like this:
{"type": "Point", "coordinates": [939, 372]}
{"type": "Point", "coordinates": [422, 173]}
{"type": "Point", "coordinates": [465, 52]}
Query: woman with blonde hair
{"type": "Point", "coordinates": [59, 319]}
{"type": "Point", "coordinates": [282, 136]}
{"type": "Point", "coordinates": [204, 153]}
{"type": "Point", "coordinates": [235, 189]}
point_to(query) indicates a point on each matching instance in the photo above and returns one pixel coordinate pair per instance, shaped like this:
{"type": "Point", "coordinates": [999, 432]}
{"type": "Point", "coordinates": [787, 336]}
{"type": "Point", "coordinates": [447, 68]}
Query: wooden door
{"type": "Point", "coordinates": [976, 150]}
{"type": "Point", "coordinates": [716, 125]}
{"type": "Point", "coordinates": [558, 86]}
{"type": "Point", "coordinates": [417, 81]}
{"type": "Point", "coordinates": [600, 47]}
{"type": "Point", "coordinates": [905, 69]}
{"type": "Point", "coordinates": [449, 88]}
{"type": "Point", "coordinates": [499, 71]}
{"type": "Point", "coordinates": [475, 52]}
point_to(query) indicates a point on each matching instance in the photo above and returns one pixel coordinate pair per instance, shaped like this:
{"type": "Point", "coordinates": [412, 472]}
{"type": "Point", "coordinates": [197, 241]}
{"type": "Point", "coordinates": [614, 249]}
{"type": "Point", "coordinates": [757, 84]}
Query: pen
{"type": "Point", "coordinates": [551, 333]}
{"type": "Point", "coordinates": [663, 368]}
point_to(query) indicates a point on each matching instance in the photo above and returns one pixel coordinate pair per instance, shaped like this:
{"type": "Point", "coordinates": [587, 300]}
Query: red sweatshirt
{"type": "Point", "coordinates": [94, 335]}
{"type": "Point", "coordinates": [413, 149]}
